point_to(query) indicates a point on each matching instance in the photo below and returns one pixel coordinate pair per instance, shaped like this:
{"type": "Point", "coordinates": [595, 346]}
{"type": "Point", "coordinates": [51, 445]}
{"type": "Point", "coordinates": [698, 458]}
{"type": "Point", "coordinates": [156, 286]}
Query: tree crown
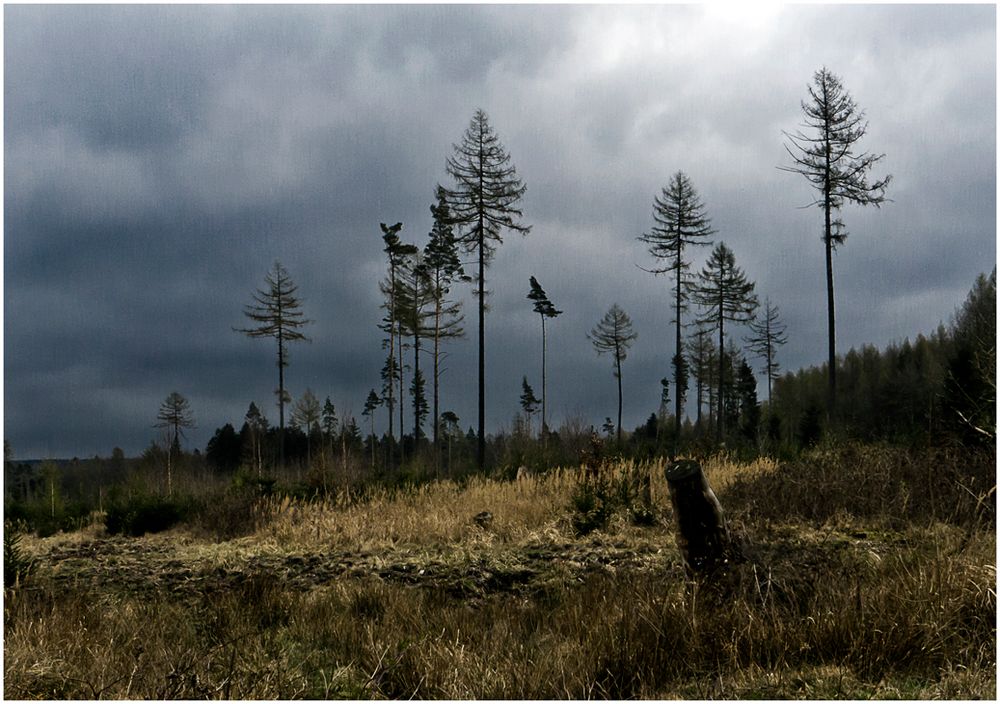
{"type": "Point", "coordinates": [613, 334]}
{"type": "Point", "coordinates": [679, 220]}
{"type": "Point", "coordinates": [487, 188]}
{"type": "Point", "coordinates": [543, 306]}
{"type": "Point", "coordinates": [723, 289]}
{"type": "Point", "coordinates": [827, 157]}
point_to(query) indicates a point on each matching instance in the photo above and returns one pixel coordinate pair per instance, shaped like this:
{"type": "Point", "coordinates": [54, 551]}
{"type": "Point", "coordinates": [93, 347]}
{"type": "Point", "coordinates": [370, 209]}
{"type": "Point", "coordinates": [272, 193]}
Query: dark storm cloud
{"type": "Point", "coordinates": [159, 159]}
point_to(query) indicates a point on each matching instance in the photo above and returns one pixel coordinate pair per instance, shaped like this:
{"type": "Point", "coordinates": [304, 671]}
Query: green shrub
{"type": "Point", "coordinates": [16, 565]}
{"type": "Point", "coordinates": [593, 504]}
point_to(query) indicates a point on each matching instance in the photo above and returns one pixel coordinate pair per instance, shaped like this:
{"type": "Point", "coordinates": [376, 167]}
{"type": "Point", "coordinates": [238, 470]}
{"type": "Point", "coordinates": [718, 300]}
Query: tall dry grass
{"type": "Point", "coordinates": [442, 512]}
{"type": "Point", "coordinates": [861, 583]}
{"type": "Point", "coordinates": [916, 623]}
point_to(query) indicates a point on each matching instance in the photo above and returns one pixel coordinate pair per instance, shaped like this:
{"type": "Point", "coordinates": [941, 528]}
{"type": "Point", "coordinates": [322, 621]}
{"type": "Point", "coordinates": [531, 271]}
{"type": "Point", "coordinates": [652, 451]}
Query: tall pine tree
{"type": "Point", "coordinates": [726, 295]}
{"type": "Point", "coordinates": [679, 222]}
{"type": "Point", "coordinates": [828, 158]}
{"type": "Point", "coordinates": [277, 311]}
{"type": "Point", "coordinates": [483, 202]}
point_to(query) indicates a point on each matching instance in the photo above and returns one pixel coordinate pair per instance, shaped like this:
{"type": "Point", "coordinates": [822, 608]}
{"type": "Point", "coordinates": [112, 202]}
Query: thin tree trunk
{"type": "Point", "coordinates": [828, 241]}
{"type": "Point", "coordinates": [677, 370]}
{"type": "Point", "coordinates": [769, 357]}
{"type": "Point", "coordinates": [544, 426]}
{"type": "Point", "coordinates": [830, 320]}
{"type": "Point", "coordinates": [720, 402]}
{"type": "Point", "coordinates": [416, 373]}
{"type": "Point", "coordinates": [392, 342]}
{"type": "Point", "coordinates": [481, 444]}
{"type": "Point", "coordinates": [402, 448]}
{"type": "Point", "coordinates": [437, 347]}
{"type": "Point", "coordinates": [281, 394]}
{"type": "Point", "coordinates": [618, 363]}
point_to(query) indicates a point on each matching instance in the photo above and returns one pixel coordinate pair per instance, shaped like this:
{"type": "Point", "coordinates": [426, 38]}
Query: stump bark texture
{"type": "Point", "coordinates": [702, 533]}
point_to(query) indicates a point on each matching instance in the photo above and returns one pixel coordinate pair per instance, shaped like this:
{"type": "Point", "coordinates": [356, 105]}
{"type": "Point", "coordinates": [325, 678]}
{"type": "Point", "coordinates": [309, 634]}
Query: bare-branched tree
{"type": "Point", "coordinates": [614, 335]}
{"type": "Point", "coordinates": [277, 311]}
{"type": "Point", "coordinates": [829, 159]}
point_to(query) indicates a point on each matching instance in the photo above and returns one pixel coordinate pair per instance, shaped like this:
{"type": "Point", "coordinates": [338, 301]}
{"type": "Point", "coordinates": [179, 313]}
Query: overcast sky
{"type": "Point", "coordinates": [159, 159]}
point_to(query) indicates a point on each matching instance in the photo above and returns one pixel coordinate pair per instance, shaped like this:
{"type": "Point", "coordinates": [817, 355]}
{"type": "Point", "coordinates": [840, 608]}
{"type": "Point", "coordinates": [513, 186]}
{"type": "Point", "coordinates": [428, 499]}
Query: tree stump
{"type": "Point", "coordinates": [702, 534]}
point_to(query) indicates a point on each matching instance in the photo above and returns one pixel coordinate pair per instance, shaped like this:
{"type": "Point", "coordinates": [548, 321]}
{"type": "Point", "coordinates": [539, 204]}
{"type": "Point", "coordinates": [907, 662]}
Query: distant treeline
{"type": "Point", "coordinates": [938, 389]}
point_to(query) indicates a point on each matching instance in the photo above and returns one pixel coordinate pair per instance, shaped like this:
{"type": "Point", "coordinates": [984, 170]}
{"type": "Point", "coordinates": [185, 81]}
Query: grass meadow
{"type": "Point", "coordinates": [869, 572]}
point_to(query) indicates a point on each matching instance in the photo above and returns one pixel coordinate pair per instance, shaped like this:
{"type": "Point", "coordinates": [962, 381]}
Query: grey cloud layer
{"type": "Point", "coordinates": [159, 158]}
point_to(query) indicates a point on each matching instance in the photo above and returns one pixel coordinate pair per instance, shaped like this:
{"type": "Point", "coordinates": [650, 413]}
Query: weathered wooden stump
{"type": "Point", "coordinates": [702, 534]}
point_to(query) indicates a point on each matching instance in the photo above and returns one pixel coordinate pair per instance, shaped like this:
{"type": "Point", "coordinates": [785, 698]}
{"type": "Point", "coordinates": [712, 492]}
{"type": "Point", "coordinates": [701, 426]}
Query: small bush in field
{"type": "Point", "coordinates": [595, 500]}
{"type": "Point", "coordinates": [16, 565]}
{"type": "Point", "coordinates": [144, 513]}
{"type": "Point", "coordinates": [592, 505]}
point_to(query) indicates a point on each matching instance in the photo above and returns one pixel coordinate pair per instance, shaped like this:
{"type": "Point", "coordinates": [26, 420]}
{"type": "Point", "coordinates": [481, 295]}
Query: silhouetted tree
{"type": "Point", "coordinates": [608, 427]}
{"type": "Point", "coordinates": [746, 389]}
{"type": "Point", "coordinates": [726, 295]}
{"type": "Point", "coordinates": [420, 410]}
{"type": "Point", "coordinates": [483, 202]}
{"type": "Point", "coordinates": [768, 335]}
{"type": "Point", "coordinates": [256, 425]}
{"type": "Point", "coordinates": [680, 221]}
{"type": "Point", "coordinates": [699, 351]}
{"type": "Point", "coordinates": [371, 403]}
{"type": "Point", "coordinates": [329, 422]}
{"type": "Point", "coordinates": [529, 404]}
{"type": "Point", "coordinates": [278, 314]}
{"type": "Point", "coordinates": [828, 159]}
{"type": "Point", "coordinates": [389, 376]}
{"type": "Point", "coordinates": [664, 400]}
{"type": "Point", "coordinates": [443, 268]}
{"type": "Point", "coordinates": [224, 449]}
{"type": "Point", "coordinates": [449, 423]}
{"type": "Point", "coordinates": [416, 312]}
{"type": "Point", "coordinates": [543, 306]}
{"type": "Point", "coordinates": [614, 335]}
{"type": "Point", "coordinates": [174, 414]}
{"type": "Point", "coordinates": [306, 414]}
{"type": "Point", "coordinates": [396, 252]}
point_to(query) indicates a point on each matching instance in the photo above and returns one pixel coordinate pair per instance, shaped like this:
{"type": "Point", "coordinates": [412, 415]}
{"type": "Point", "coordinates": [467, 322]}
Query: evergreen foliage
{"type": "Point", "coordinates": [483, 202]}
{"type": "Point", "coordinates": [545, 309]}
{"type": "Point", "coordinates": [726, 295]}
{"type": "Point", "coordinates": [680, 222]}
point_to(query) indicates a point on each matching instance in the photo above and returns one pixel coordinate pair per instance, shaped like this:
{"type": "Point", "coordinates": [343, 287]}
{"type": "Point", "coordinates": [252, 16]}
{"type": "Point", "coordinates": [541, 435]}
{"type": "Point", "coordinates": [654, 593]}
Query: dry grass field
{"type": "Point", "coordinates": [869, 573]}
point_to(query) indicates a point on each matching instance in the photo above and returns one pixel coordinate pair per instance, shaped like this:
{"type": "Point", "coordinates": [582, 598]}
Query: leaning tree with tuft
{"type": "Point", "coordinates": [397, 253]}
{"type": "Point", "coordinates": [545, 309]}
{"type": "Point", "coordinates": [443, 268]}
